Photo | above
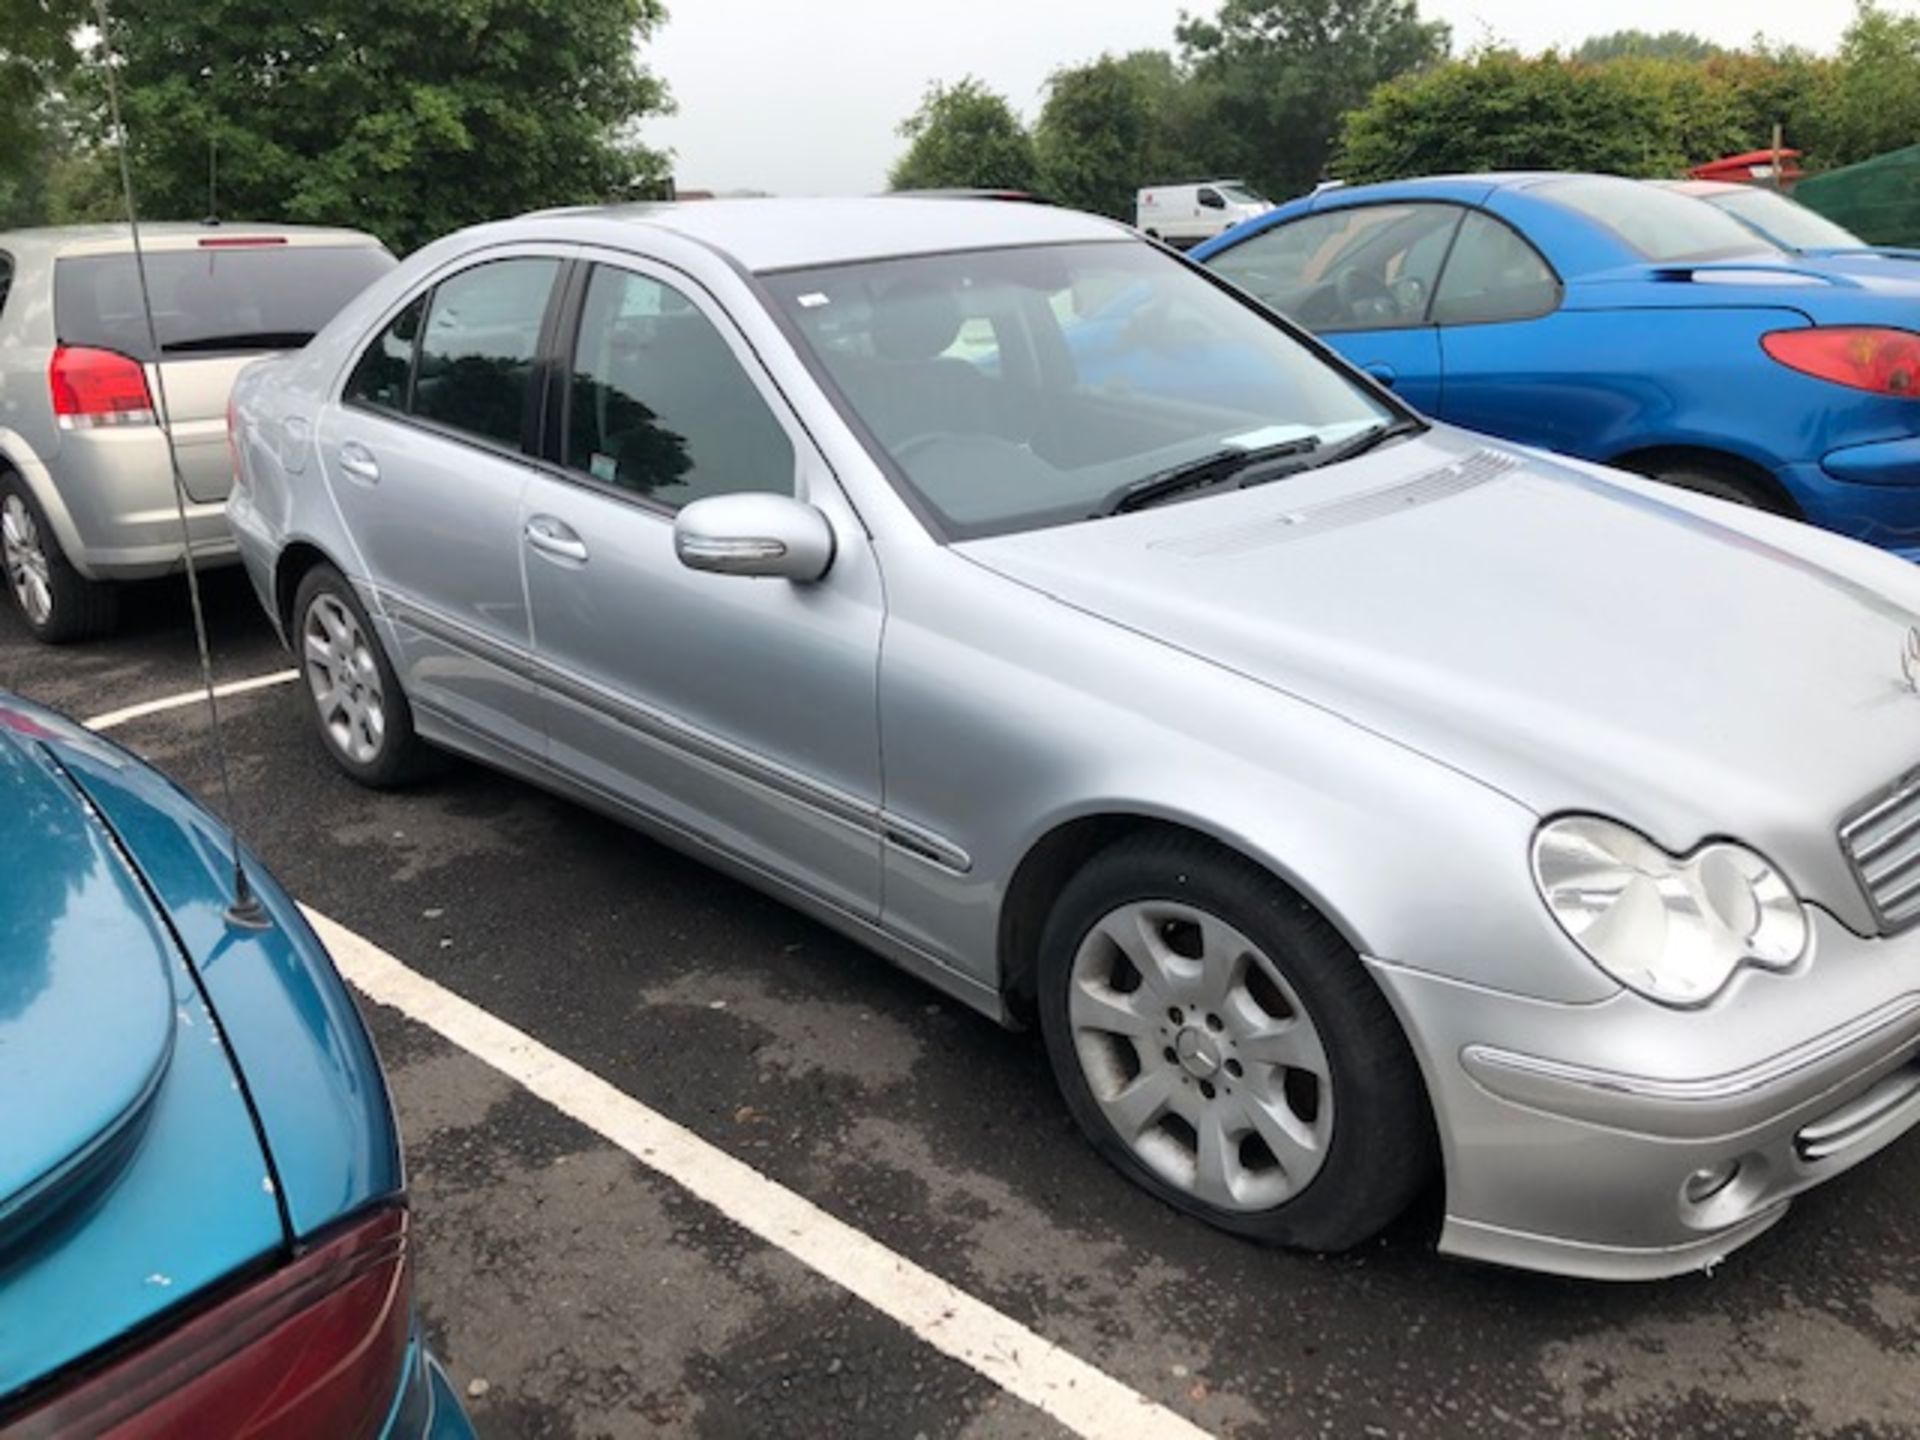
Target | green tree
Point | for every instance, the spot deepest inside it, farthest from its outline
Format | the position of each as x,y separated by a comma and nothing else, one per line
1667,45
964,135
1109,127
36,54
1498,110
1274,77
1870,101
405,117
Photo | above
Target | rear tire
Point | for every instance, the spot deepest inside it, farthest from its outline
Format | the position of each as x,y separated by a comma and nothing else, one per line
58,604
1221,1046
352,690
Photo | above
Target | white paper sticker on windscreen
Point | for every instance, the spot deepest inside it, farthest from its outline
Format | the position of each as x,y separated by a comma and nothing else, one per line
1267,435
812,300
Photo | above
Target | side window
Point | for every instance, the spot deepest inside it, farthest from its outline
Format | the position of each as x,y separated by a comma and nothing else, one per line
385,369
1493,275
1210,200
1367,267
658,405
6,280
478,348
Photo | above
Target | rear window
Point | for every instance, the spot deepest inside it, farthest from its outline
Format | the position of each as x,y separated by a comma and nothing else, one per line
1664,227
210,300
1786,221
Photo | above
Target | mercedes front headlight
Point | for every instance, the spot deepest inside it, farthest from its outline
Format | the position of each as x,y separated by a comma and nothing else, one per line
1675,928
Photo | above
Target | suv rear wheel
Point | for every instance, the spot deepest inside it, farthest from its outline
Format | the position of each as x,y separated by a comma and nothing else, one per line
58,603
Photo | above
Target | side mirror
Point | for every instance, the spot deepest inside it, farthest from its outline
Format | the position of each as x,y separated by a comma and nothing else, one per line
754,533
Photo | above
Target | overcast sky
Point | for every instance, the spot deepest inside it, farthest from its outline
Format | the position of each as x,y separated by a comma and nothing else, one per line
802,97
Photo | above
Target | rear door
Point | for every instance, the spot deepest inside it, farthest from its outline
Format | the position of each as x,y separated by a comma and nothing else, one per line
426,456
219,303
1361,277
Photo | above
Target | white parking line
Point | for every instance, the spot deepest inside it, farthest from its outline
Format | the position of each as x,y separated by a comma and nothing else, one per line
188,697
1085,1400
1064,1387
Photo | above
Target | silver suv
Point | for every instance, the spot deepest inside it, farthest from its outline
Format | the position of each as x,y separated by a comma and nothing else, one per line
86,496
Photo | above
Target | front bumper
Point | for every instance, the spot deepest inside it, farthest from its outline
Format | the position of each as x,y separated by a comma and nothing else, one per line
1623,1140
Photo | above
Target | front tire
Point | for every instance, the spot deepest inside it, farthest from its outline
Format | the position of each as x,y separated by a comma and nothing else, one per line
1220,1044
352,690
1719,484
57,602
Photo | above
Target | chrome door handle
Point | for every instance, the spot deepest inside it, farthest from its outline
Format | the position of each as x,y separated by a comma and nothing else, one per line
556,538
357,461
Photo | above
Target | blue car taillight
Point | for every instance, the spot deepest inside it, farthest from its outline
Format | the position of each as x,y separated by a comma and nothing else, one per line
1863,357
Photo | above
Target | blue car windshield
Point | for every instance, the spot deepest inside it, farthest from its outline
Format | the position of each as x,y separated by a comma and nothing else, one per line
1023,387
1662,226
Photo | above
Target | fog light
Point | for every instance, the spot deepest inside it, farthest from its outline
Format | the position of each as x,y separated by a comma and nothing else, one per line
1702,1185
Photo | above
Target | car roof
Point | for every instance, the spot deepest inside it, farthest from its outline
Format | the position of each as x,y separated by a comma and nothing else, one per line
763,235
159,235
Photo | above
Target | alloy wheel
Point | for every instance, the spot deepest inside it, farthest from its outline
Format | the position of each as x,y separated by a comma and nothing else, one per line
29,574
1200,1055
345,679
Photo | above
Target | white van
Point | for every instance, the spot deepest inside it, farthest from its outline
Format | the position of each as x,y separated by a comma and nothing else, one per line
1186,214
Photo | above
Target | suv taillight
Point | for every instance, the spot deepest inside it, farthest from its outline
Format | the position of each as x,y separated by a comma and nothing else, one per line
312,1351
1864,357
97,387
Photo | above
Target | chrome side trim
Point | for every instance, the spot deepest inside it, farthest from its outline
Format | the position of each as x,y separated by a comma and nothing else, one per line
699,745
744,764
1711,1105
443,729
902,835
457,633
923,844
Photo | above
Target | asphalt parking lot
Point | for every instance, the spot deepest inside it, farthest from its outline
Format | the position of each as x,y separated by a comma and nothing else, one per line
575,1291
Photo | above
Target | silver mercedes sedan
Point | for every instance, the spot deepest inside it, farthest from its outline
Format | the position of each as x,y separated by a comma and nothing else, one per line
1354,803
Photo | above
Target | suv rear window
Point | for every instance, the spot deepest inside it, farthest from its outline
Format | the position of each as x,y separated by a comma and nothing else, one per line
211,300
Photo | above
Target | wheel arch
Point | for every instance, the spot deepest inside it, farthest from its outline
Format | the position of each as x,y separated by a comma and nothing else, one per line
1060,851
1653,461
296,559
17,457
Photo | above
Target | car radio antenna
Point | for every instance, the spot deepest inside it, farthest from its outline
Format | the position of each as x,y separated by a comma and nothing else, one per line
245,910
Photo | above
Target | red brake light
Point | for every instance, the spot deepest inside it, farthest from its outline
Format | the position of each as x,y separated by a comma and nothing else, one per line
1864,357
235,242
97,387
312,1351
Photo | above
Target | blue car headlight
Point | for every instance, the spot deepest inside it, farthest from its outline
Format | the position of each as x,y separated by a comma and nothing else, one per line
1674,928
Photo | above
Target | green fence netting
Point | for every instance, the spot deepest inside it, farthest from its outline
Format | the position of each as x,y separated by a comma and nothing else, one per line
1878,199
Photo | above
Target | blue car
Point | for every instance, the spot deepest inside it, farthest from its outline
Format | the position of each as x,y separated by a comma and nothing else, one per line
203,1225
1619,322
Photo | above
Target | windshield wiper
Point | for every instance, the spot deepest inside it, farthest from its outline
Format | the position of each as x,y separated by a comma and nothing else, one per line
1366,440
1209,470
244,340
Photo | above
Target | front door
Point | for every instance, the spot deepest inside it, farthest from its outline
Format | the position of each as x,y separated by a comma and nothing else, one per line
744,711
424,455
